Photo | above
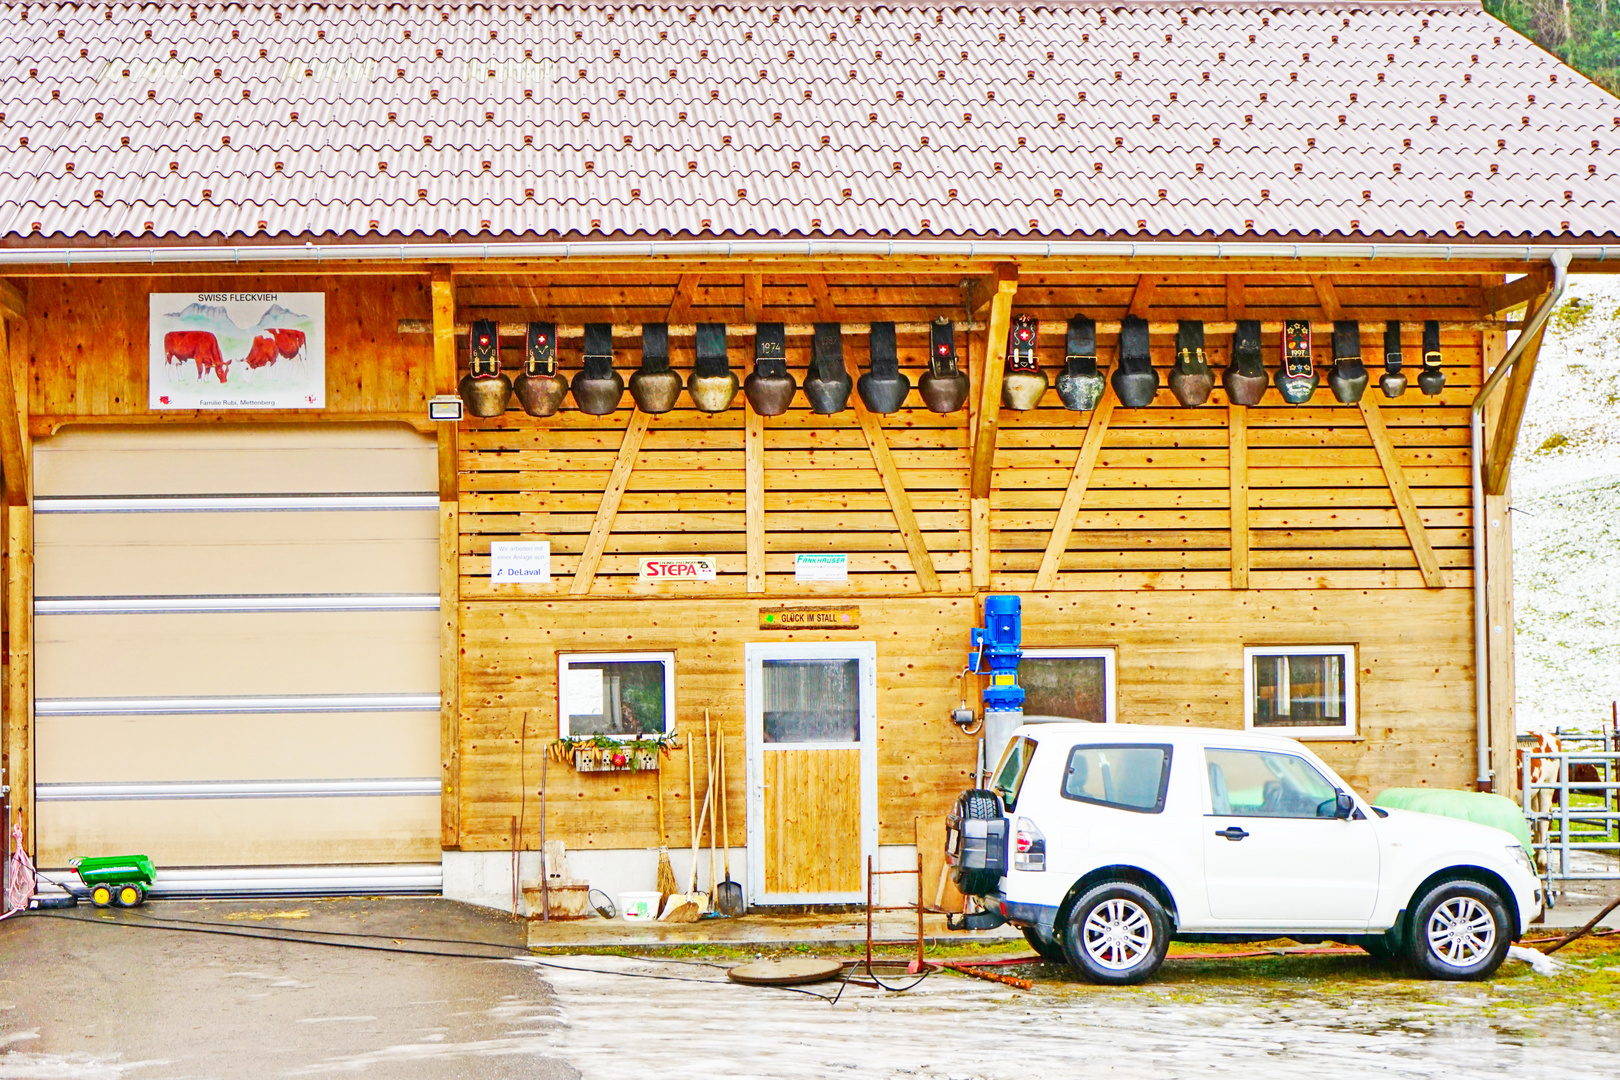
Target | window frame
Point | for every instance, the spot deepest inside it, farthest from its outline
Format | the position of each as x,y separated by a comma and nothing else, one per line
1107,653
1350,723
1164,776
566,660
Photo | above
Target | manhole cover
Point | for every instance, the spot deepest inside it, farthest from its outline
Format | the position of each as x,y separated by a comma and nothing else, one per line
793,972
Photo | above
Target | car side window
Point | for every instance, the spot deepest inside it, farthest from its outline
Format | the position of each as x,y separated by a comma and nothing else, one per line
1259,783
1122,777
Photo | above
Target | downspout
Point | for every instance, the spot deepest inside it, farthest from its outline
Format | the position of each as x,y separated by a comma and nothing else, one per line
1476,428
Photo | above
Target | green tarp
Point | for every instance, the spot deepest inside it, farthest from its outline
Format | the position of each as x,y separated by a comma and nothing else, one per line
1494,810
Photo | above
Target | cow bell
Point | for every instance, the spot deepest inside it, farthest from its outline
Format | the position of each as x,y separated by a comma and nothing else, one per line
713,385
598,389
1080,384
1024,383
484,389
1296,379
828,384
944,386
769,387
883,387
1348,379
1431,380
1190,378
541,387
653,385
1135,381
1245,377
1393,381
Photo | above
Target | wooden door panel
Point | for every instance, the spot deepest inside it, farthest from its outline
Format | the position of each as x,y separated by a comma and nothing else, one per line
812,821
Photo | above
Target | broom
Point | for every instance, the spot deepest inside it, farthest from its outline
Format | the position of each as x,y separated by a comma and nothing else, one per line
666,872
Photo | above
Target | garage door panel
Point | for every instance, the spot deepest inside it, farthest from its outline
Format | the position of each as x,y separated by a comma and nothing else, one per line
253,746
269,459
203,553
236,653
244,832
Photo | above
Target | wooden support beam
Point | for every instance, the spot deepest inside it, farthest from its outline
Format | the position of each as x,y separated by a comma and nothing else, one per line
1237,306
443,290
825,311
1497,581
19,681
1416,534
1237,441
1516,293
1327,296
899,502
13,305
13,433
680,304
753,297
608,509
1499,455
1142,296
754,498
1063,527
979,541
995,363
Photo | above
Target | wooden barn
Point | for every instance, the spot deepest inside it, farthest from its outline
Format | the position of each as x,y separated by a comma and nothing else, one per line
1203,330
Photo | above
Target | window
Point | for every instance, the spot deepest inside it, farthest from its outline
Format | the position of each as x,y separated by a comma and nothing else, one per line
1077,684
621,695
1122,777
1014,764
1301,690
812,701
1253,783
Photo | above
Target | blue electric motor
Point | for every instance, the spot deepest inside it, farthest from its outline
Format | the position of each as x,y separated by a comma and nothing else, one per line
997,648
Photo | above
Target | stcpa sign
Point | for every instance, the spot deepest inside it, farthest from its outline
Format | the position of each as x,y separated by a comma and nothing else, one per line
661,571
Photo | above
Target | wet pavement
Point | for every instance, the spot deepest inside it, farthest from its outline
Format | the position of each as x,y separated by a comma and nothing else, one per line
128,996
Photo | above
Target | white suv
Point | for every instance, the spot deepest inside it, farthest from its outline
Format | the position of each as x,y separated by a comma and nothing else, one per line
1104,842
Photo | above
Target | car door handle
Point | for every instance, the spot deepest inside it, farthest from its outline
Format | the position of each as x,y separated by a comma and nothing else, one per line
1231,832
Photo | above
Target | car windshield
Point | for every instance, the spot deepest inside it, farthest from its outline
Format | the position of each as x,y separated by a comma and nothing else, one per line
1010,774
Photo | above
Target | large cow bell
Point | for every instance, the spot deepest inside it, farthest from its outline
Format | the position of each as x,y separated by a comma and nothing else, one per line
769,386
1190,378
1024,383
713,385
1431,380
541,387
485,389
598,389
1245,377
884,387
1393,381
1080,384
1348,379
653,385
1135,381
1296,379
828,384
944,386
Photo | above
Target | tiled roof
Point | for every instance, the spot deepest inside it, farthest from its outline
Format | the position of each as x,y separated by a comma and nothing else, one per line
166,123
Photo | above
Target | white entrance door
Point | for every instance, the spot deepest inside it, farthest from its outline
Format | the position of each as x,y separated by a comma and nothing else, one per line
812,770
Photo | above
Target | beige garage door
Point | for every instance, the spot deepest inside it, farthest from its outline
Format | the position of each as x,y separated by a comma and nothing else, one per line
237,655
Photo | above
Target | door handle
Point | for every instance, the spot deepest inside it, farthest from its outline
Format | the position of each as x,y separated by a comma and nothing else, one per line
1231,832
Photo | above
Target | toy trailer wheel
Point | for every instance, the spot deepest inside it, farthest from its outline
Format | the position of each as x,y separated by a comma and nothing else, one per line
130,895
101,896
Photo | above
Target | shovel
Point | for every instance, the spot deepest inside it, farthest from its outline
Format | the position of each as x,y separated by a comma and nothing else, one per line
728,895
687,906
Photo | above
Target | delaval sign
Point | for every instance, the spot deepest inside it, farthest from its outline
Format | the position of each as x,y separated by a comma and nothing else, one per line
689,568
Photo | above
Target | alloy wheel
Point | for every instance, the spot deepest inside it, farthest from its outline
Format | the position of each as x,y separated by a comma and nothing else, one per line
1117,934
1461,931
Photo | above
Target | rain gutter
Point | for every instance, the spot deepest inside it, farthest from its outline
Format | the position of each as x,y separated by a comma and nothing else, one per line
1533,323
674,249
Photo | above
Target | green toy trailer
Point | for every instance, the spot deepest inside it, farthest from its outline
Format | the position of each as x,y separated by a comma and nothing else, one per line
117,879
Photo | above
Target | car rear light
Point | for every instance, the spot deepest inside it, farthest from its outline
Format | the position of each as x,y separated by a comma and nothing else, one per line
1029,847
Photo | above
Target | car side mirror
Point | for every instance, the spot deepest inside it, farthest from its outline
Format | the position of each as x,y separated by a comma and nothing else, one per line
1343,805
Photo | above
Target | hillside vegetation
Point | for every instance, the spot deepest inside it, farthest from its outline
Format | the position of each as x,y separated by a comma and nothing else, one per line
1585,34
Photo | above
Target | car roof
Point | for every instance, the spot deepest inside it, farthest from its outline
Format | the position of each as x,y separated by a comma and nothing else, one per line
1176,735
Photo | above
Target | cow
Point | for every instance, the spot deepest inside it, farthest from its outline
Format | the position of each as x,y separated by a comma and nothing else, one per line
289,343
198,345
262,352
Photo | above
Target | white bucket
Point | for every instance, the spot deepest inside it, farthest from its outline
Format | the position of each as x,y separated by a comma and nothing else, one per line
639,906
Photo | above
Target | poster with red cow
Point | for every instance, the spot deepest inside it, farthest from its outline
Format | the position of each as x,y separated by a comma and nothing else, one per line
237,351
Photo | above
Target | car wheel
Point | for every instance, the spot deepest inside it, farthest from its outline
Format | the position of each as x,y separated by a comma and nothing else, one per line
1460,931
979,804
1117,934
1050,948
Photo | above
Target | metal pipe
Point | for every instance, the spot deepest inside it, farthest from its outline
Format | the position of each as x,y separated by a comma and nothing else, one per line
1476,427
673,249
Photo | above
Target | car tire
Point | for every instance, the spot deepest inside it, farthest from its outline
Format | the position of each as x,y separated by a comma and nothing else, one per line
1460,931
1051,949
978,804
1117,934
